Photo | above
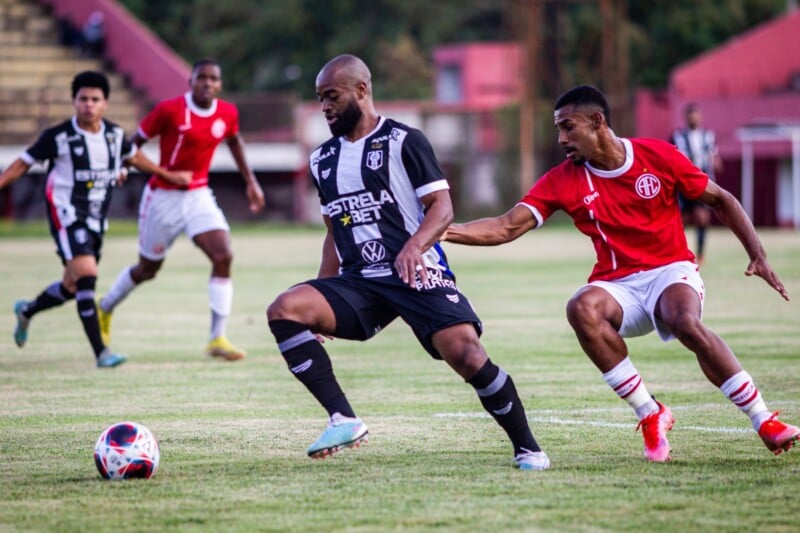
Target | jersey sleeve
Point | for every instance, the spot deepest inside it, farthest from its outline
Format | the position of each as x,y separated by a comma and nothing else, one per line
233,123
542,199
153,123
690,180
43,149
421,164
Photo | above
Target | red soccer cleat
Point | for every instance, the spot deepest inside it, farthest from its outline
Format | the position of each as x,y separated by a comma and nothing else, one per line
654,430
777,436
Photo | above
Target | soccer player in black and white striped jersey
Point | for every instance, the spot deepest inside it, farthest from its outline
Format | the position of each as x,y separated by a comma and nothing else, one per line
85,155
385,203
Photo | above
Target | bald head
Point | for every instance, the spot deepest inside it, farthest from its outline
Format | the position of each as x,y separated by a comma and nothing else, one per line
346,71
344,88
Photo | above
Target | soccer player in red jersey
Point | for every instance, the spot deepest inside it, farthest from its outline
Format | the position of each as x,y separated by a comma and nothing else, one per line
190,127
622,193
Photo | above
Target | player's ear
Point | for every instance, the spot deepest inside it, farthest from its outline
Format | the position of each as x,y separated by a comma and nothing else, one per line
597,120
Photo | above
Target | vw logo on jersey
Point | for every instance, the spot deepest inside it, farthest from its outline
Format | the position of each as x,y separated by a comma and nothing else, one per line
648,186
373,252
218,128
375,159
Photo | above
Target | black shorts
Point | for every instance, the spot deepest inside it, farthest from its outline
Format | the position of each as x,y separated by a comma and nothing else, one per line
364,306
76,240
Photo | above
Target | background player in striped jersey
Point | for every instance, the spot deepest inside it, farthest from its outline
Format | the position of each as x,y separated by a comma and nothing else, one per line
85,155
190,128
622,194
384,202
699,145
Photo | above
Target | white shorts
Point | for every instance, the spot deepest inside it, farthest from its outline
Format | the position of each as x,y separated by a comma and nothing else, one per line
638,294
165,214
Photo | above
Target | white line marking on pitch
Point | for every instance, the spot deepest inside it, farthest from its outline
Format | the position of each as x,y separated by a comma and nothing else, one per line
555,419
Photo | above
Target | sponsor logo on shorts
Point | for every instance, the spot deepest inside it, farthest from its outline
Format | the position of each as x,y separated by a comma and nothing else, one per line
436,279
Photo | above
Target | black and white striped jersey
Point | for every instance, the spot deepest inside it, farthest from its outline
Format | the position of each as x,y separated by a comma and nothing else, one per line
82,169
371,189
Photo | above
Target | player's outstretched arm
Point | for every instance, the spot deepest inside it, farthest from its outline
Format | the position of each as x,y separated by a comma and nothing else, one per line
732,214
254,193
493,230
13,172
141,162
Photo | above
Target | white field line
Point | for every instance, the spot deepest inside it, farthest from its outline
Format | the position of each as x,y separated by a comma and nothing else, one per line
561,417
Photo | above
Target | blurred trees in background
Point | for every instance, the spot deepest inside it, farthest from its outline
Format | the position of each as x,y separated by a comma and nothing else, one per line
281,45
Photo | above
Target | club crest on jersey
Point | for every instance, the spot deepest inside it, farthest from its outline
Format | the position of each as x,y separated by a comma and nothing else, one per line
375,159
648,186
78,150
218,128
373,252
325,173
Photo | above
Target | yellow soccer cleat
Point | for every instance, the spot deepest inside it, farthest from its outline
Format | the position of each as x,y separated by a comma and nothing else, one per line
221,347
104,319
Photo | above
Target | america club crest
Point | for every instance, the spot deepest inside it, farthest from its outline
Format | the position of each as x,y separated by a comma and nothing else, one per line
648,186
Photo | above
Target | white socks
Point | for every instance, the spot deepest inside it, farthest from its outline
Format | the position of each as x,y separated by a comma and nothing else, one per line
741,390
122,286
628,384
220,299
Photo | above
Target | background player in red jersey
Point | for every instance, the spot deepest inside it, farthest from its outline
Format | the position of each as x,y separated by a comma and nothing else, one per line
190,128
622,194
85,154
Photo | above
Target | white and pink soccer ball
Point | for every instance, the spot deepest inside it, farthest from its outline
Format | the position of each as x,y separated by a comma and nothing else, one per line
126,450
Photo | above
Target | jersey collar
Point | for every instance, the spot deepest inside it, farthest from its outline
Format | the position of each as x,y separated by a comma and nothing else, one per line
615,173
85,132
199,111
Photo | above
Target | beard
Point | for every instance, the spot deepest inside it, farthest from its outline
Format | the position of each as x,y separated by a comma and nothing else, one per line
346,120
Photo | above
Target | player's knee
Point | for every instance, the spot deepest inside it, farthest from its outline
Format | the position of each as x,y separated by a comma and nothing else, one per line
279,309
221,258
465,354
582,309
144,272
687,327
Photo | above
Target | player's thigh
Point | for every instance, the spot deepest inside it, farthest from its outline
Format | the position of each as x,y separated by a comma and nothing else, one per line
618,304
160,222
203,215
359,309
433,309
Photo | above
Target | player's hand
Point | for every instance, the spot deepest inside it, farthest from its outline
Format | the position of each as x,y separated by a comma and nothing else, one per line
122,177
256,197
409,265
179,177
760,267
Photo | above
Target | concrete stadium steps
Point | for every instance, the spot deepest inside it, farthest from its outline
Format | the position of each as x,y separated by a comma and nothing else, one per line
36,72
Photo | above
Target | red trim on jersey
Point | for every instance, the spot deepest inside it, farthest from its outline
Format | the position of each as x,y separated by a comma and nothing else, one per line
631,214
188,136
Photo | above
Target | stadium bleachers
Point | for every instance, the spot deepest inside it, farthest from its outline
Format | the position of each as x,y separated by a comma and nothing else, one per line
36,70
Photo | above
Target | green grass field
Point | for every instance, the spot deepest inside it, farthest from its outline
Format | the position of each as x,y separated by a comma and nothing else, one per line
233,435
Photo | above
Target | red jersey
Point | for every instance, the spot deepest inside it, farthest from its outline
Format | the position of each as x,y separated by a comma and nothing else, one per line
631,213
189,135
